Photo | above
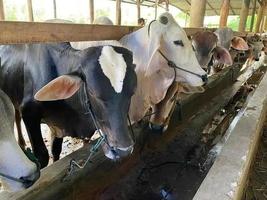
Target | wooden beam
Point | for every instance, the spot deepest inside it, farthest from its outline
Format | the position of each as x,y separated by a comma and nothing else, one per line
118,12
2,10
253,15
243,15
91,11
232,9
197,13
30,11
36,32
55,8
212,8
225,7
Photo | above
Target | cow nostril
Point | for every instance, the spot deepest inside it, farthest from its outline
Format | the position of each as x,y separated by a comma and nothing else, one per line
204,78
30,180
156,128
27,182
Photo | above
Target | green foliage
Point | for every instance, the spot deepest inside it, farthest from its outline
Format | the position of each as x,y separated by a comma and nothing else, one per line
10,13
233,23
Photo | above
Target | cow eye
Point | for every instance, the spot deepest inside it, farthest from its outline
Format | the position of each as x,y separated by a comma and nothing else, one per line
178,43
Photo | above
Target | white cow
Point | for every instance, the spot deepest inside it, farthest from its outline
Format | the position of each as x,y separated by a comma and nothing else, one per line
151,46
13,162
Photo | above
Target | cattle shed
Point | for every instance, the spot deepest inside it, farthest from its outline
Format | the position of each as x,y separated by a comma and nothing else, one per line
215,145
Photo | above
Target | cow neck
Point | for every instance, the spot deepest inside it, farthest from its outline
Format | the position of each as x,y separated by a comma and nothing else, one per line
65,58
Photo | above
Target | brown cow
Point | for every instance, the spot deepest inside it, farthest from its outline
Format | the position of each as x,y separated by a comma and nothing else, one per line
208,48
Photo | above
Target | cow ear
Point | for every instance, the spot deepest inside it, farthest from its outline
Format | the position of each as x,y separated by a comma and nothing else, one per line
239,43
154,45
222,55
60,88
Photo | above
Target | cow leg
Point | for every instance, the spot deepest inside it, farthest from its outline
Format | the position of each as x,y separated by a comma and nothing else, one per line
56,142
56,148
32,120
21,140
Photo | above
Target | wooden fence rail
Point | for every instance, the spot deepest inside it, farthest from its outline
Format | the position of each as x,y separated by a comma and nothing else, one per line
37,32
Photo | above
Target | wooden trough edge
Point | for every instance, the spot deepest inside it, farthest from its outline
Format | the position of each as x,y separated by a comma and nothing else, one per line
37,32
226,179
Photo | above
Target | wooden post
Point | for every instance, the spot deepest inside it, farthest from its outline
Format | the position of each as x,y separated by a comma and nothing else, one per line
91,11
30,11
156,8
138,9
259,17
197,13
243,15
253,15
263,21
265,25
224,13
2,11
167,5
55,8
118,12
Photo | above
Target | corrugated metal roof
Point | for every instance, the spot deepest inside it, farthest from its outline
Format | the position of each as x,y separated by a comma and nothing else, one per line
213,7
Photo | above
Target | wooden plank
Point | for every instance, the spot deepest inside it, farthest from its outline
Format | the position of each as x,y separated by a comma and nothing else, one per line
29,32
228,175
30,11
2,11
37,32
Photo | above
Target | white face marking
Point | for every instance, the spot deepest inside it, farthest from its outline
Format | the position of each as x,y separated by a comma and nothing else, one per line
113,66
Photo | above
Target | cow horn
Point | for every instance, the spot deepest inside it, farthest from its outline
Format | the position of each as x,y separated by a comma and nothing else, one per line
163,20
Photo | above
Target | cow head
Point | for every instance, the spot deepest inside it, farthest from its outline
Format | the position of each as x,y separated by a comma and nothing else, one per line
166,36
159,120
256,46
13,161
109,84
206,48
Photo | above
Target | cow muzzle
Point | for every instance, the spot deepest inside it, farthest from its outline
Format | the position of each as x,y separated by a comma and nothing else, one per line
158,128
116,153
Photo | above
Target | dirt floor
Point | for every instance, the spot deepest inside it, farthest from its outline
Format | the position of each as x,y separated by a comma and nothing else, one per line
69,144
257,182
